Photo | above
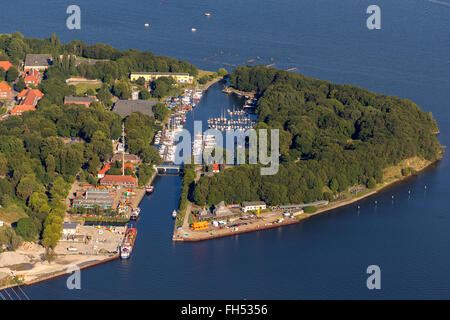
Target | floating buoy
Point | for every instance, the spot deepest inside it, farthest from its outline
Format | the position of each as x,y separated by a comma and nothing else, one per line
425,187
376,202
392,197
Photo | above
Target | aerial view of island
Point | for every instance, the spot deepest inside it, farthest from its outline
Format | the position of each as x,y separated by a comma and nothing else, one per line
192,151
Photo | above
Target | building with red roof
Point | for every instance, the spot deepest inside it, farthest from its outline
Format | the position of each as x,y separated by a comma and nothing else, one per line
28,99
5,65
103,170
32,77
116,180
107,166
19,109
5,91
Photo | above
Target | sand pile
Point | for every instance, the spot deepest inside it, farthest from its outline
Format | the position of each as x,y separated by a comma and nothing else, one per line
12,258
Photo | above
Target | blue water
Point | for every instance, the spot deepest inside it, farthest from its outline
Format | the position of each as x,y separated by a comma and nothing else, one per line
326,256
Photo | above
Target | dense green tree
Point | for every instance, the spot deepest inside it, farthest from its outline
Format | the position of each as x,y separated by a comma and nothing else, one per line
12,74
19,85
26,228
331,137
161,112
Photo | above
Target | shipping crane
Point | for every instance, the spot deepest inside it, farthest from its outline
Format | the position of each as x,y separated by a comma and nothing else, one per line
201,225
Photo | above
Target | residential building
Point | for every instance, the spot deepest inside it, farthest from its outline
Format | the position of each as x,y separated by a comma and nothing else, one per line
19,109
117,180
93,198
85,101
5,65
32,77
5,91
28,99
126,107
38,61
253,206
103,171
152,76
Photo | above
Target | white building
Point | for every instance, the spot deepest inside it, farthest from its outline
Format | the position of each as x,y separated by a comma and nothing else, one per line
69,228
253,206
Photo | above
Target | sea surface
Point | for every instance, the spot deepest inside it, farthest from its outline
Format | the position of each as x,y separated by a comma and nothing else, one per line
325,257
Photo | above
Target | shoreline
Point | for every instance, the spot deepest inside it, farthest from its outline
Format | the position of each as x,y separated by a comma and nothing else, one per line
63,271
304,216
91,261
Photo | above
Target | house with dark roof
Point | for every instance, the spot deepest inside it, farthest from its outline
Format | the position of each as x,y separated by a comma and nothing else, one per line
84,101
221,211
70,228
126,157
38,61
126,107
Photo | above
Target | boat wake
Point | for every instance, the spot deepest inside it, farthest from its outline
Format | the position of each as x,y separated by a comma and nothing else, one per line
443,3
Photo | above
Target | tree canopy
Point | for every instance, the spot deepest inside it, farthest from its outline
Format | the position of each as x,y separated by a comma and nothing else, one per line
331,137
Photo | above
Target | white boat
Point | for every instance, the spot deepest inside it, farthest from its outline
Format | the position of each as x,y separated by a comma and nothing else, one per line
146,25
193,29
125,252
174,214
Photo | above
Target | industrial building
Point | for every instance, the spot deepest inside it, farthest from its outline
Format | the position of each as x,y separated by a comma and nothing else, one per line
93,198
253,206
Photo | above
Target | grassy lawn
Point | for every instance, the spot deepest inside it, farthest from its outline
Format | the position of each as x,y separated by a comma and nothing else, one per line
202,73
12,213
81,88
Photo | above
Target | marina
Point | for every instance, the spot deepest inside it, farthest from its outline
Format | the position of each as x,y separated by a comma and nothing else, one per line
322,257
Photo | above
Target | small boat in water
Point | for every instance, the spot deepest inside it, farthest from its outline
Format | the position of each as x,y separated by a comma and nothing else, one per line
128,243
193,29
135,214
149,189
174,214
207,14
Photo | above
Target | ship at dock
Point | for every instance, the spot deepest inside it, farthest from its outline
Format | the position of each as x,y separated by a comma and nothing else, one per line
128,243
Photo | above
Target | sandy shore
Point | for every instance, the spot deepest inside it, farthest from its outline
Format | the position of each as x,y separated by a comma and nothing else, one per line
38,270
